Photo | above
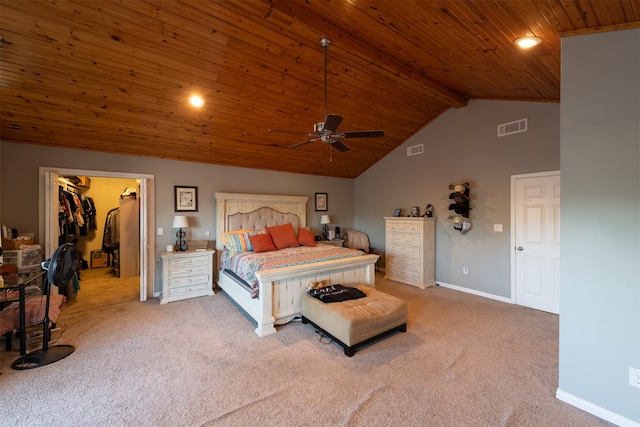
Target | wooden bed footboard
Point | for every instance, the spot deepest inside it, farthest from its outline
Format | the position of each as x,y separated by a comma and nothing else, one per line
281,288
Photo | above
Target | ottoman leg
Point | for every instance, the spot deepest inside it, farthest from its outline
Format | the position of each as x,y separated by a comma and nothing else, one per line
349,351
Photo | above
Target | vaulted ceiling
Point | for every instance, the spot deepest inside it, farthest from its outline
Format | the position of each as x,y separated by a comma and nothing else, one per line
115,76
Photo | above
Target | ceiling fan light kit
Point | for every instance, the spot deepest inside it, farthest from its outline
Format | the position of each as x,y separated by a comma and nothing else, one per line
327,131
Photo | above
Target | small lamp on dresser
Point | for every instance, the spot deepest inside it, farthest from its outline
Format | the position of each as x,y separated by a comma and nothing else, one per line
181,221
325,221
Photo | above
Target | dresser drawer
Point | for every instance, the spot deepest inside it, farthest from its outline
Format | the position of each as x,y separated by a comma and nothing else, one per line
403,239
403,275
412,252
404,262
405,227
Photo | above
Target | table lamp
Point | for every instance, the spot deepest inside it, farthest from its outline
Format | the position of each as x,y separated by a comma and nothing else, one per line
325,220
181,221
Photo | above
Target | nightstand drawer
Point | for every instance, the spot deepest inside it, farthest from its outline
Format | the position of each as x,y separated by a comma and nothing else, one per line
188,269
188,291
175,281
186,262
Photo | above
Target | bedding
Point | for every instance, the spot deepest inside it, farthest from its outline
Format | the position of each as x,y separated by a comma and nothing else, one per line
244,265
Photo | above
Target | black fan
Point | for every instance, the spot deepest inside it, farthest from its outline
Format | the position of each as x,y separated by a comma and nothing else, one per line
60,269
327,131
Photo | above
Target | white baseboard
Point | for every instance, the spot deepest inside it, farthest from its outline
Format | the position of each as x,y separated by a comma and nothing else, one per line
474,292
595,410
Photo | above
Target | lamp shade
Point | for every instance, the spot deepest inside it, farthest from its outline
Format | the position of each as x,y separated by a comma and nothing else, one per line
324,219
180,221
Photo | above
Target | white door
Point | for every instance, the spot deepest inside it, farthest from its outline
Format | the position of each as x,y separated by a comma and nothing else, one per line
52,208
536,249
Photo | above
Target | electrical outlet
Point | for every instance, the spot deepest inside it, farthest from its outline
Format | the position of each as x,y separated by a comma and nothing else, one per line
634,377
465,269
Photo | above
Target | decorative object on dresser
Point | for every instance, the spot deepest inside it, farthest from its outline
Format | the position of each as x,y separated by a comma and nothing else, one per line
397,212
415,211
186,274
460,206
410,244
181,221
185,198
325,220
428,210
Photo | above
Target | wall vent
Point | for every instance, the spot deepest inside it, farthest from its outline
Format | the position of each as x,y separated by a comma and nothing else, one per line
512,127
414,150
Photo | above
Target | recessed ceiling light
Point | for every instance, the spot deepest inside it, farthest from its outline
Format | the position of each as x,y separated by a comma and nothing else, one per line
527,42
196,101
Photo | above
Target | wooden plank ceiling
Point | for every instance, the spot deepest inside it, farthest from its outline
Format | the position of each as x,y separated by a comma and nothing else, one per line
115,76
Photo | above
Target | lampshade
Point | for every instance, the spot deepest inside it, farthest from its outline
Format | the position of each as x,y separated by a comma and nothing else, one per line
324,219
180,221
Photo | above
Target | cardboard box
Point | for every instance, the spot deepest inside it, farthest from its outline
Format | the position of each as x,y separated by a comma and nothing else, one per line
12,245
98,259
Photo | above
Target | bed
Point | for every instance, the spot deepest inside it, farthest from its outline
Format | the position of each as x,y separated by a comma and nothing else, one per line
279,289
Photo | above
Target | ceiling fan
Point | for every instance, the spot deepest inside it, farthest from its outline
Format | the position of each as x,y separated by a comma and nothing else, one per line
327,131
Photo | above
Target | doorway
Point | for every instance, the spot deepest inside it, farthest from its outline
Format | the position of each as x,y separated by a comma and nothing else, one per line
49,215
535,240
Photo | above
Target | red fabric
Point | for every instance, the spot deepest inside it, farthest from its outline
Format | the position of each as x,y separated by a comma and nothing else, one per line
35,306
262,243
283,236
306,238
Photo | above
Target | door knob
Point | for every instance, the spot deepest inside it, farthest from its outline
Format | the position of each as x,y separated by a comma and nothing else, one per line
520,248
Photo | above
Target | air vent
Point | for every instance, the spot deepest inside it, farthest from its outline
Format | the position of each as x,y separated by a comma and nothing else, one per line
512,127
414,150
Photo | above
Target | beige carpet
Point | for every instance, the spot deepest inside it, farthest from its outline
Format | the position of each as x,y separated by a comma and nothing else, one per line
464,361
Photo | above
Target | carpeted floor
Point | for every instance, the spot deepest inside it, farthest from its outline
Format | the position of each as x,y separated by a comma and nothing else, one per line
464,361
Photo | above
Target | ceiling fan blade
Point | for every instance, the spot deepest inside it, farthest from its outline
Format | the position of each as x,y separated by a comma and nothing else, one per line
290,131
363,134
332,122
339,145
300,144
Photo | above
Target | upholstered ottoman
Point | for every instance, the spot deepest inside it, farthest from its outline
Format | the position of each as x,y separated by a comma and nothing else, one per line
356,322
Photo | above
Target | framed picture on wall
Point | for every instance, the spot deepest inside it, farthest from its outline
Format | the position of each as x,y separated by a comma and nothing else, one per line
186,198
321,202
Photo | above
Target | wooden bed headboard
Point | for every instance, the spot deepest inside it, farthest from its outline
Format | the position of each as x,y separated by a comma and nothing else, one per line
235,211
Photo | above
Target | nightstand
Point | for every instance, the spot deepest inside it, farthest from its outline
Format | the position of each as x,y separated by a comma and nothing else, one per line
334,242
187,274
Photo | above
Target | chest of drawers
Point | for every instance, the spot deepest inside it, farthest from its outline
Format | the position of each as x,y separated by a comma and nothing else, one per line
187,274
410,250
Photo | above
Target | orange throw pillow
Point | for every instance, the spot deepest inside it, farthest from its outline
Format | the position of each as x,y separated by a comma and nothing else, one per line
283,236
262,243
306,238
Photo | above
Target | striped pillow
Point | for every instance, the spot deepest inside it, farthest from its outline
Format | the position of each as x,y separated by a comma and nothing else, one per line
238,241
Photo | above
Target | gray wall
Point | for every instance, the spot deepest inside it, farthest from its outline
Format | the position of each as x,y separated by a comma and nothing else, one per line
600,253
19,175
462,145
